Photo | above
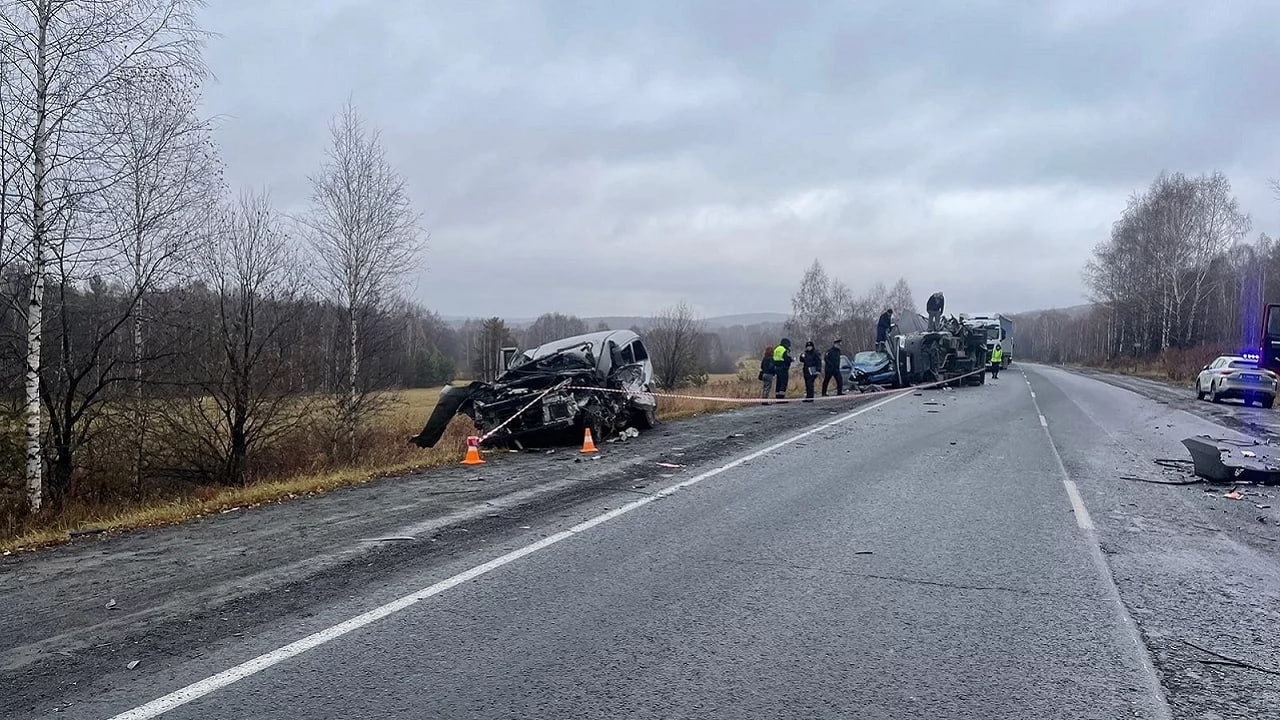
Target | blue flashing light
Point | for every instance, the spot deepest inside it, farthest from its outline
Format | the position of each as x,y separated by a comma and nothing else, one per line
1250,356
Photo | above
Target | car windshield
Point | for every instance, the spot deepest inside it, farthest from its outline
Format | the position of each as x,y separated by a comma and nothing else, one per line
870,357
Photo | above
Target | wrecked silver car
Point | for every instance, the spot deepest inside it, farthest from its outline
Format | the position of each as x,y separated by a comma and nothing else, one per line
551,393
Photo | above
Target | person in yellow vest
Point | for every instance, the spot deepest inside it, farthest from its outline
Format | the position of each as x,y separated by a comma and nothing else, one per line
781,368
997,359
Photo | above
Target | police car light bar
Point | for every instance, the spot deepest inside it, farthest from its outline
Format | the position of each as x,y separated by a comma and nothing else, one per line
1249,356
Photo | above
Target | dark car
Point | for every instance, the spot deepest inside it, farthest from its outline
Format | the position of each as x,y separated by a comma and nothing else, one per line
875,367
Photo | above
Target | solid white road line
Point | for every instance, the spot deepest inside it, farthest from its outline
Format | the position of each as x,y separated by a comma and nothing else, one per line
1160,704
203,687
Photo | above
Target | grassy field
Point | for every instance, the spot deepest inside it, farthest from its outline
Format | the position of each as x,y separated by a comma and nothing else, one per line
391,456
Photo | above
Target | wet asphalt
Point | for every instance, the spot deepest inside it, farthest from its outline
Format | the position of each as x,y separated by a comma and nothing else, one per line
920,560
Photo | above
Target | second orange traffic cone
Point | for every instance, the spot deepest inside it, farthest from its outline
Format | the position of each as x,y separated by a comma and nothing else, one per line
473,452
588,444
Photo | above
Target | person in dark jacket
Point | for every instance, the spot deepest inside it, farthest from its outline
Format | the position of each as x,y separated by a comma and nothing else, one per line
882,329
934,307
766,373
811,362
782,368
832,369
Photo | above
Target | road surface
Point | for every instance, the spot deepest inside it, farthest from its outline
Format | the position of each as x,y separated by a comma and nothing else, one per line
949,554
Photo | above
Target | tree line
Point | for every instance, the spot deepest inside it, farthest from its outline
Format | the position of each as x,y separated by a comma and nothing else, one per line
151,311
824,308
1177,277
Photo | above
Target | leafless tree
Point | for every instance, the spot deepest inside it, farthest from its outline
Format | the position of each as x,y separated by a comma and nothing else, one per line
169,178
364,236
68,58
674,340
248,389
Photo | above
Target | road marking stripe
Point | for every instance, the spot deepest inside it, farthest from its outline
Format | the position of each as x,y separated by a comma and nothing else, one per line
1077,503
1084,521
1033,392
1043,423
212,683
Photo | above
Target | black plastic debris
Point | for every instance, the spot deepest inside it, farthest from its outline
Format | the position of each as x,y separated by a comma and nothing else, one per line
1223,460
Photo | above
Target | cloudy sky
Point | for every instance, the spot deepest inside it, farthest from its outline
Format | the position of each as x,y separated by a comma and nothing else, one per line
612,158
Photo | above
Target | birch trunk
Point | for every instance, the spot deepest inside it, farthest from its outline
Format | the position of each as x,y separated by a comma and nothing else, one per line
35,306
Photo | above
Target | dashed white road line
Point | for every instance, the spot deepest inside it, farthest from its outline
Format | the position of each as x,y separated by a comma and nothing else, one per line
212,683
1160,704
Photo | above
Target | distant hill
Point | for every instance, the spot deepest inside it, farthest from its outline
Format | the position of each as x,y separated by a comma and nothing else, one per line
1074,312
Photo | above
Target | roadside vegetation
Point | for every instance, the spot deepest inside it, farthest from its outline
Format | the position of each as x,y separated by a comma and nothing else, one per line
1177,283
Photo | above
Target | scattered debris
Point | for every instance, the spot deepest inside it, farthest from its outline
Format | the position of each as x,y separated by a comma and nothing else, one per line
1224,460
1262,507
953,442
132,664
394,538
669,465
1135,478
526,527
1227,660
1234,495
737,435
111,604
88,531
865,552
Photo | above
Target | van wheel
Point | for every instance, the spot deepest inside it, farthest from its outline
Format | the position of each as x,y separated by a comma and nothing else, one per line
1268,402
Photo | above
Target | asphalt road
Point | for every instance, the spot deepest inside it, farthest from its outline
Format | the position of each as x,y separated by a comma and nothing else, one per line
950,554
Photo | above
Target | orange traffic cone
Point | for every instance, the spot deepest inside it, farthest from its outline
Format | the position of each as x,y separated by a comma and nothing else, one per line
473,452
588,444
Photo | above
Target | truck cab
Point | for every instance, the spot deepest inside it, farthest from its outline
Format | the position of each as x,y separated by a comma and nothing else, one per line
999,329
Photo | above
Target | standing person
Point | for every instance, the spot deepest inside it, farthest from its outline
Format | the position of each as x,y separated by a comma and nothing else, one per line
811,362
782,368
997,359
832,369
882,330
766,373
934,307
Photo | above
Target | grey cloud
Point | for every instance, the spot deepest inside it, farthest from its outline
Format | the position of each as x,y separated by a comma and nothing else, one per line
612,159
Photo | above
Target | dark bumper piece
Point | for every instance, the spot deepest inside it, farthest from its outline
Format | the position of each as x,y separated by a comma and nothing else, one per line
1222,460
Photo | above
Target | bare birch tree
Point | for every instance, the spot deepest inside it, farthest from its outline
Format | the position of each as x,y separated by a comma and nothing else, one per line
365,237
169,177
69,57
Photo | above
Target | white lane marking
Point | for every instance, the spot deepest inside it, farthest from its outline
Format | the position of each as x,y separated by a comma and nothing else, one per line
203,687
1033,392
1160,703
1077,503
1043,423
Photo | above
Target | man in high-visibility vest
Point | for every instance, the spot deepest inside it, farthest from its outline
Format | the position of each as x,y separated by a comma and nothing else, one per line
997,359
781,368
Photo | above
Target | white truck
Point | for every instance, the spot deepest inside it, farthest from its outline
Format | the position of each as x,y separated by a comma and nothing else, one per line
999,330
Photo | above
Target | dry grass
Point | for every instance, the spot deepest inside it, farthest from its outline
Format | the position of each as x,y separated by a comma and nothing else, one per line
387,454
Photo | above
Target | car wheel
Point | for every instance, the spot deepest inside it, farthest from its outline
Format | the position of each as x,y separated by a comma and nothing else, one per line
645,419
1199,392
1213,393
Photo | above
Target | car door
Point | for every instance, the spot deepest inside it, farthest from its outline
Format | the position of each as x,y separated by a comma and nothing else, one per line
1206,375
